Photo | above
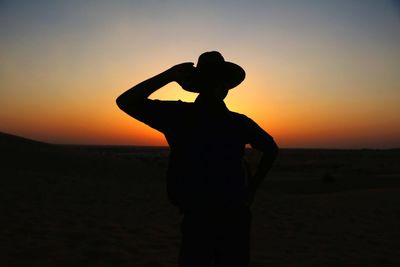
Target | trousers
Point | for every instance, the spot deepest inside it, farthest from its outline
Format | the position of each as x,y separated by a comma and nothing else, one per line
215,237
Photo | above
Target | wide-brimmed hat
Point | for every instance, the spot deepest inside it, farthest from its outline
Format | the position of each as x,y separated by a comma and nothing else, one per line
211,67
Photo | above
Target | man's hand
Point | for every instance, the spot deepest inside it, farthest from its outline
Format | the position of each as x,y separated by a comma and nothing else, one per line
183,74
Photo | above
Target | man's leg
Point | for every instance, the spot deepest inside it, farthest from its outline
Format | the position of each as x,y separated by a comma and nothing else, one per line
197,247
233,238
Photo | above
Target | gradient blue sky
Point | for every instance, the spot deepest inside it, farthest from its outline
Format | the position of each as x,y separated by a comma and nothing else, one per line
319,73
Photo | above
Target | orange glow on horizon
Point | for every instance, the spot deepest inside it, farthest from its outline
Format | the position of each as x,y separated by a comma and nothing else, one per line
292,123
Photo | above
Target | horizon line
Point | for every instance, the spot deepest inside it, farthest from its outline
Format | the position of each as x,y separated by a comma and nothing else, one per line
167,147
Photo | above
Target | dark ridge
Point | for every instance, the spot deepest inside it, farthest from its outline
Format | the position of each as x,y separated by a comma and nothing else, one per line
9,141
20,153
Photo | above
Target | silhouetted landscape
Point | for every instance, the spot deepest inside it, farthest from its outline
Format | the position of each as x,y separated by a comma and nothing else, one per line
65,205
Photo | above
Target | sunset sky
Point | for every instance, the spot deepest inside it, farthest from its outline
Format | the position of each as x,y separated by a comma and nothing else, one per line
319,73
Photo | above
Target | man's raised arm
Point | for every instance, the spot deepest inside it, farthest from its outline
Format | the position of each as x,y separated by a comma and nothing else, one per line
132,100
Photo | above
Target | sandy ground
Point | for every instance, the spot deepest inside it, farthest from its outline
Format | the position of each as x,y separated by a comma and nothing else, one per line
80,206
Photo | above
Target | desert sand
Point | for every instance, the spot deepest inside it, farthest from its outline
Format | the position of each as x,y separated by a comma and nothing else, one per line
107,206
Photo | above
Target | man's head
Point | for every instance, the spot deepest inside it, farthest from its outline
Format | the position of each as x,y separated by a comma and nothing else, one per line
213,76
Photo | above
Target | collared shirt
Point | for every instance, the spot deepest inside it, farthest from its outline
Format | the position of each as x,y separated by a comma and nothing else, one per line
206,151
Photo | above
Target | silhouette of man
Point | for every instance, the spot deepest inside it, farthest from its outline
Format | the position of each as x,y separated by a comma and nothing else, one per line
206,179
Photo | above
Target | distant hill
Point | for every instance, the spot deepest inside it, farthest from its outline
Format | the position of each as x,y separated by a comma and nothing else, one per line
9,141
20,153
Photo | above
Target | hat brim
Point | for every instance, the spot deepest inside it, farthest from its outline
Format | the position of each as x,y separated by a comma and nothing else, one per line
230,73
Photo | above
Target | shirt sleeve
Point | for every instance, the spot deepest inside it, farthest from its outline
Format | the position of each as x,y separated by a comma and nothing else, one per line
258,138
157,114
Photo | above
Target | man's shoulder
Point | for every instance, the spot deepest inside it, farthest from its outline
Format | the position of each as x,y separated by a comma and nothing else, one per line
243,121
239,116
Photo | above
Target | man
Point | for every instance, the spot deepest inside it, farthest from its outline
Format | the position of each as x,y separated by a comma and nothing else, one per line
205,178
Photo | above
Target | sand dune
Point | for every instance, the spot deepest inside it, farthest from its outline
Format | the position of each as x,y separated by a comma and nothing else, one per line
13,141
106,206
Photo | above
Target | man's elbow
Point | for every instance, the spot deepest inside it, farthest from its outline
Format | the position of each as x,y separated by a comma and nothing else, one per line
125,104
121,103
275,150
272,150
128,106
